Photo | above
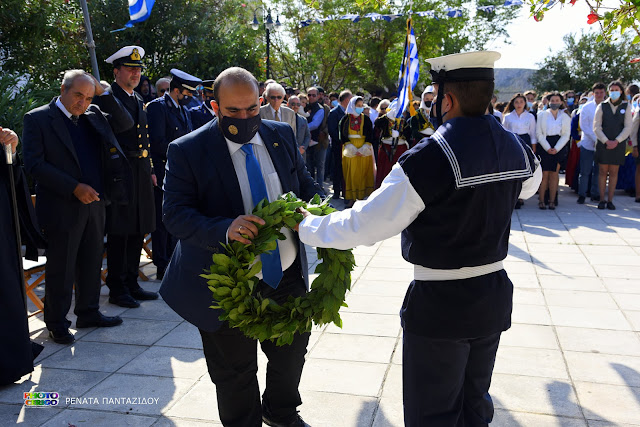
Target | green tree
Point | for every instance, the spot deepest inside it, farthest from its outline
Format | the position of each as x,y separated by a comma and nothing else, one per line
583,61
42,38
367,55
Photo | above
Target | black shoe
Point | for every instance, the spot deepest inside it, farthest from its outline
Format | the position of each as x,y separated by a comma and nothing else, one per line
581,200
101,321
295,421
124,300
611,206
141,294
602,205
595,198
61,336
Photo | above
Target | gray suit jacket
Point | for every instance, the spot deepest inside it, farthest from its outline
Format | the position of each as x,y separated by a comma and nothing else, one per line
286,114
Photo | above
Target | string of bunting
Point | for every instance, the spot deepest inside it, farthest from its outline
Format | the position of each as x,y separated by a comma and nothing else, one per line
449,13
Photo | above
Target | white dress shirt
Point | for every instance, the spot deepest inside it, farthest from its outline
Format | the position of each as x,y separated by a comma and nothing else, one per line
587,114
547,125
63,109
288,247
521,124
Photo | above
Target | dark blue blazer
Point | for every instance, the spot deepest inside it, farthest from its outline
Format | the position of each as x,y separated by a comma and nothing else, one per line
202,197
200,116
166,124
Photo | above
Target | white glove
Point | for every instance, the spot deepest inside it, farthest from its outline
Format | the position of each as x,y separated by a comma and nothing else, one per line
394,133
349,150
366,150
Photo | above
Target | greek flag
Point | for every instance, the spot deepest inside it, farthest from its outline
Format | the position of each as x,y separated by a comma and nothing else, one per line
139,10
409,71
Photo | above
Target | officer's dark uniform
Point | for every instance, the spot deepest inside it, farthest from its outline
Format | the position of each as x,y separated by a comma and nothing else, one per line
128,223
167,122
202,115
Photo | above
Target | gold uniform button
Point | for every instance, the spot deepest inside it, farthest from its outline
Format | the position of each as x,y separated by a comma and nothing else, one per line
139,135
147,126
138,126
145,153
140,145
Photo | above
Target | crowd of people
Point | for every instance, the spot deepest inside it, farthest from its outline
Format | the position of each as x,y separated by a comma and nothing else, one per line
590,136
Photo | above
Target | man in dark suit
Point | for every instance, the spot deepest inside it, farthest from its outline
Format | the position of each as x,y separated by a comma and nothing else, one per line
169,119
128,223
78,165
336,146
212,183
203,114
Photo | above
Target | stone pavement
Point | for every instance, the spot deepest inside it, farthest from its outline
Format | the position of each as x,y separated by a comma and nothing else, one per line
572,357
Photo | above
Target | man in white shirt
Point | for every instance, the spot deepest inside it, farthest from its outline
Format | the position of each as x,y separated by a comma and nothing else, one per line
274,110
588,146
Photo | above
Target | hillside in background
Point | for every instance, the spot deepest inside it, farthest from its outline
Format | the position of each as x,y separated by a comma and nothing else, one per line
510,81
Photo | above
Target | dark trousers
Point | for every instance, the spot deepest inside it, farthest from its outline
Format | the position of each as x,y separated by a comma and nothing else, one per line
75,256
233,363
446,381
123,261
162,242
336,171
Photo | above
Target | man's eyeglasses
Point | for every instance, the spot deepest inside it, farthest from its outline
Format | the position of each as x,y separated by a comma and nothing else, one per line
162,91
274,97
312,95
294,104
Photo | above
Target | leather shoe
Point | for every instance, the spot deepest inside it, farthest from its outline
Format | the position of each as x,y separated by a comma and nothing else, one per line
124,300
61,336
101,321
141,294
295,421
581,200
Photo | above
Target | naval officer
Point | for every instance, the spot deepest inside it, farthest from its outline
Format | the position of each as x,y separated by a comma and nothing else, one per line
451,196
127,223
169,119
204,113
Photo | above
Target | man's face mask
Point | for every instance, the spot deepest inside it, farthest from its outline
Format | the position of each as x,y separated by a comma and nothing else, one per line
239,131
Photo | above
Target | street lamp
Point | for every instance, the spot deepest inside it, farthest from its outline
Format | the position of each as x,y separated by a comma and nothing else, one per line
268,26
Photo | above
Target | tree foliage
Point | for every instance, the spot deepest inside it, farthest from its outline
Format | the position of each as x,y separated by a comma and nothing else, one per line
367,55
42,38
583,61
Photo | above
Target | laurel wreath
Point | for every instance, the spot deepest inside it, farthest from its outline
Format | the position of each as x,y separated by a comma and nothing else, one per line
231,279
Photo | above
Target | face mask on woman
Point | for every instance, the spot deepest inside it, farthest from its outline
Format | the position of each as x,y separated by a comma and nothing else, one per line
570,101
359,110
614,95
554,107
529,104
628,97
334,103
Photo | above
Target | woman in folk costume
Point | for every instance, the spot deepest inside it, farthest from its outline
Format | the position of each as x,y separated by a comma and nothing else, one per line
355,130
420,124
519,121
392,141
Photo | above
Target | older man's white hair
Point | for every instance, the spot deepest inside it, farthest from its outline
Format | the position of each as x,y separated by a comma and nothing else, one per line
70,77
274,89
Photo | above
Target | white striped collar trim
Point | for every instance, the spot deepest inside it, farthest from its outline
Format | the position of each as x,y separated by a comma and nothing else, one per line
462,182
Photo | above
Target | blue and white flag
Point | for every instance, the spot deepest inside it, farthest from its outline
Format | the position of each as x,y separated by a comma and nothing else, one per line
409,71
139,10
453,13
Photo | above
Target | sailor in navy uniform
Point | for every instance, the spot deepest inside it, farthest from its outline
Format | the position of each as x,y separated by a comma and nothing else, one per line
203,114
451,196
128,223
169,119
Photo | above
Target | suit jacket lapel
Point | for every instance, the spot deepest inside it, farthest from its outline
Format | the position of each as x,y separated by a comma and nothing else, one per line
102,130
276,149
60,129
219,154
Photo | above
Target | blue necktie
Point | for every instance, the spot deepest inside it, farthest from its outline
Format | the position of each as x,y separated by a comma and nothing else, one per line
271,266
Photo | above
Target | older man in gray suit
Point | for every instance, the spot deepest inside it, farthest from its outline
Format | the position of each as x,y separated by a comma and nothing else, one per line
274,110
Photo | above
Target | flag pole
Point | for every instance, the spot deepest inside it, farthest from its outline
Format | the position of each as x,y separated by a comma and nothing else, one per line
90,43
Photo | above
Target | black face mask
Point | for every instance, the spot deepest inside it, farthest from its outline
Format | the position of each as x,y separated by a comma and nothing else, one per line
428,104
185,100
240,131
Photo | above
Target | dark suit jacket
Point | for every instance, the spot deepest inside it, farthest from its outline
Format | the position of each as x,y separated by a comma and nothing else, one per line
332,123
166,124
49,156
202,197
200,116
